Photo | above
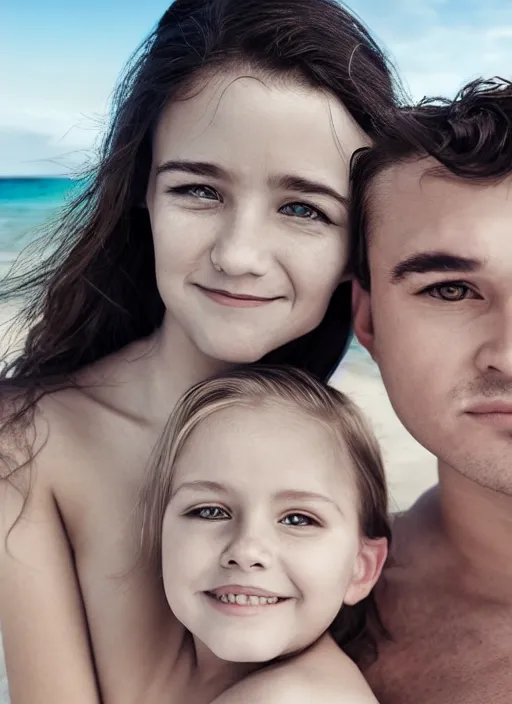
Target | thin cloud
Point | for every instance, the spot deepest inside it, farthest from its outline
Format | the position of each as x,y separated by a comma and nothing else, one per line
438,46
59,106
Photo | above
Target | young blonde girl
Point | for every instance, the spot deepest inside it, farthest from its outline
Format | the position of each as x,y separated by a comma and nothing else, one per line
265,512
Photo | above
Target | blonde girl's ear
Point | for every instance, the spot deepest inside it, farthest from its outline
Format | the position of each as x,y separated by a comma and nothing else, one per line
367,569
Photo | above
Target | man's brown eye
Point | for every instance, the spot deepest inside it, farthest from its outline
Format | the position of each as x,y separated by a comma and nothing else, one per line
450,292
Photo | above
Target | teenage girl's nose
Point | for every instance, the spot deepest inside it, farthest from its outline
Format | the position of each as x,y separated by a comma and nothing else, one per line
241,246
495,354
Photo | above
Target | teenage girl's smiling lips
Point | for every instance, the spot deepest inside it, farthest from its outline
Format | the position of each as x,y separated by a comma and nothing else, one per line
236,300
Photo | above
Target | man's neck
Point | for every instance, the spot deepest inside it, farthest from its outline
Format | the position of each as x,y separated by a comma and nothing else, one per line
477,526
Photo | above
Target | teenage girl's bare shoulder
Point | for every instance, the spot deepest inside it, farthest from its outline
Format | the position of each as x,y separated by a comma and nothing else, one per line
80,461
95,431
36,571
323,673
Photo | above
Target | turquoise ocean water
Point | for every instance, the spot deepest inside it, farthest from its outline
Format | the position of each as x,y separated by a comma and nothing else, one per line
27,203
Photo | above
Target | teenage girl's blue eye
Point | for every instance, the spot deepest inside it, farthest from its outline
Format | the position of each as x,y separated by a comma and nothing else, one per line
298,520
196,191
209,513
204,192
303,211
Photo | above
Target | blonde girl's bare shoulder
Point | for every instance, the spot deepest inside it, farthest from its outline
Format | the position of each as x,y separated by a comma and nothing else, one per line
321,674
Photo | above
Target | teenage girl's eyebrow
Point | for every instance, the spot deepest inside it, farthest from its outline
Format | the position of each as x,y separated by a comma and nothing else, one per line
288,182
198,168
428,262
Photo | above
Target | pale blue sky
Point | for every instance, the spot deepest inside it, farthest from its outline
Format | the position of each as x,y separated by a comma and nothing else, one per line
60,59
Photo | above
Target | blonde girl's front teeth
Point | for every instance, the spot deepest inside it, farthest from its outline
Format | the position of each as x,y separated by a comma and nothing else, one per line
247,599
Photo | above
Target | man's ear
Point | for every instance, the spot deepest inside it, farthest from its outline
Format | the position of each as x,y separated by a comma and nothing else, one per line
362,320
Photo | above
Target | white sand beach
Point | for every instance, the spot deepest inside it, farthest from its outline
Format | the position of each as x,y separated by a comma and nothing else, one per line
410,468
4,691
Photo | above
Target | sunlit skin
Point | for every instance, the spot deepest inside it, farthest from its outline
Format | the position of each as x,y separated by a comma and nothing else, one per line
256,228
439,324
264,502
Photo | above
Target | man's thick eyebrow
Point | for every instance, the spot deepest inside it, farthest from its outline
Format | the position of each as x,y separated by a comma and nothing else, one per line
427,262
198,168
304,185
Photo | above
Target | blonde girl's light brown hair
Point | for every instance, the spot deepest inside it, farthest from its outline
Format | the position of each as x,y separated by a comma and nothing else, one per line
356,627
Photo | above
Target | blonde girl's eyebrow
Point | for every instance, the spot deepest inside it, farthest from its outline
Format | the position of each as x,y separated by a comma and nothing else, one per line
295,495
201,485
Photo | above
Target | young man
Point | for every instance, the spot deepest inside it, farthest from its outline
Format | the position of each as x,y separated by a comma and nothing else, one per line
433,305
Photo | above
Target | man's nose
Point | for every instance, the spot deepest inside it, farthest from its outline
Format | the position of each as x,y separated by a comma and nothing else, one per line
495,353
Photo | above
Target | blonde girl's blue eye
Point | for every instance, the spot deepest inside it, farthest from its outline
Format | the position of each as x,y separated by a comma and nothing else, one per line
209,513
298,520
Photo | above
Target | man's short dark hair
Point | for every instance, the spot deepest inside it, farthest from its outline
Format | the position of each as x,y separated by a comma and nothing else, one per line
470,137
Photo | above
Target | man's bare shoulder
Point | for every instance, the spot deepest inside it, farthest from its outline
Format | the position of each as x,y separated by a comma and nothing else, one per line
415,560
418,520
446,643
323,673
